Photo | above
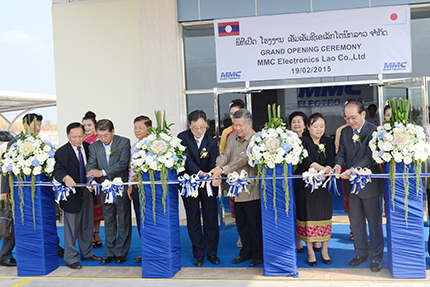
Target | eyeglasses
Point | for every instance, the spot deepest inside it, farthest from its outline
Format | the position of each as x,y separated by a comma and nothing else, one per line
351,118
197,128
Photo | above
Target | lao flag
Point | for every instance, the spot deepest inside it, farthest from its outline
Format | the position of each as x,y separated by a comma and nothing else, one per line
228,29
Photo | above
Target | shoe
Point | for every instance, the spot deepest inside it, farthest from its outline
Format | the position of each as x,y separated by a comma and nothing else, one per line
357,261
255,262
138,259
8,262
328,262
199,261
120,260
238,260
313,263
375,266
300,250
97,243
60,251
317,249
92,258
75,265
214,259
107,260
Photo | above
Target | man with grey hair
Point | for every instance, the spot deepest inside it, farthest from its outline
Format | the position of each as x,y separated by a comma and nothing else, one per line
247,206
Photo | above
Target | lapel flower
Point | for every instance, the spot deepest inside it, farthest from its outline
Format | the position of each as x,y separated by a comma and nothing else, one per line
110,153
204,153
321,148
357,138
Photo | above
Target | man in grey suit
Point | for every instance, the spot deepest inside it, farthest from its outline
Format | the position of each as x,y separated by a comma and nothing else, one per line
109,158
69,169
367,204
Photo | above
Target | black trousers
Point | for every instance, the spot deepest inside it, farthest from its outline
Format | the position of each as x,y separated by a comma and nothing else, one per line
206,243
136,206
249,226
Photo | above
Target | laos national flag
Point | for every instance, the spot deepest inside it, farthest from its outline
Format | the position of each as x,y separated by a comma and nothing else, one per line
228,28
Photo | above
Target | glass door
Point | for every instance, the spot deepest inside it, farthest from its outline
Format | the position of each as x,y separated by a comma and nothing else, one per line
415,89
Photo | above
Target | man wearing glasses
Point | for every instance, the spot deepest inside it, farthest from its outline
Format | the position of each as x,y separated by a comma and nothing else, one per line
109,158
202,151
354,151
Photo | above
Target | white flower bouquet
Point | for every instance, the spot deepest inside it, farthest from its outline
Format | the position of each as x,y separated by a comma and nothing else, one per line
400,140
275,145
157,153
27,157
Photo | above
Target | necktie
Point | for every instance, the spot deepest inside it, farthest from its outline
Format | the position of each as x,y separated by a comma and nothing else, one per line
197,142
82,176
354,133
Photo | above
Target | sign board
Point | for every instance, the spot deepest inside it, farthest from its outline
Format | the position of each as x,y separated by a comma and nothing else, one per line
319,44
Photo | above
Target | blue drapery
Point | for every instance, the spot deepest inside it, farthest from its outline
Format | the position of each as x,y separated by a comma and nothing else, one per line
405,237
161,246
279,234
36,245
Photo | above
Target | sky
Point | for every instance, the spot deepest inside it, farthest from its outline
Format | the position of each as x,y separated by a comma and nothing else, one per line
26,49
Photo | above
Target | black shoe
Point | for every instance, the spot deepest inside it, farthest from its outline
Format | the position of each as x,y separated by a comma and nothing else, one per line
107,260
300,250
199,261
138,259
375,266
357,261
313,263
92,258
328,262
317,249
120,260
8,262
60,251
214,259
75,265
255,262
238,260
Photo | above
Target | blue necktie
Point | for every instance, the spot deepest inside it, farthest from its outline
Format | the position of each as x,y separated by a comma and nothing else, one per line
82,176
354,133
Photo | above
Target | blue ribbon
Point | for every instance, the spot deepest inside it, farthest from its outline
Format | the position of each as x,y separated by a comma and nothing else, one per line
313,181
113,191
332,183
61,191
189,185
359,181
206,181
96,187
237,183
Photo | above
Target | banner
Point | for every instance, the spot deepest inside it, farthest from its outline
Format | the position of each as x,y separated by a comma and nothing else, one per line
319,44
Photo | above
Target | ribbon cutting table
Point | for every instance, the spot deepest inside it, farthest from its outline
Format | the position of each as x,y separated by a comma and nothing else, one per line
36,238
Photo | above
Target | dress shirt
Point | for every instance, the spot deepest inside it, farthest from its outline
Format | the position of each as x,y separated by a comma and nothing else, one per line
107,148
75,149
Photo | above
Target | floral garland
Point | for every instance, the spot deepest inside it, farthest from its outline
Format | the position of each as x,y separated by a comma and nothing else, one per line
400,140
28,156
275,145
158,152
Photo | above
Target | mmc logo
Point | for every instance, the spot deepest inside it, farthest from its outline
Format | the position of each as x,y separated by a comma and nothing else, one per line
230,75
394,66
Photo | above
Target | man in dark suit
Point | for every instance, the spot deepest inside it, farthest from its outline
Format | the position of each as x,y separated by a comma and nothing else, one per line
202,152
367,204
32,124
70,160
109,158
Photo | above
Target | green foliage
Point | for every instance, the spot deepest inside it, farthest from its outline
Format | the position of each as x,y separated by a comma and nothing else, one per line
400,111
275,120
162,126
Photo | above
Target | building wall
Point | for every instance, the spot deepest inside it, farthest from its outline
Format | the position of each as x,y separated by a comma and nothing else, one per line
110,58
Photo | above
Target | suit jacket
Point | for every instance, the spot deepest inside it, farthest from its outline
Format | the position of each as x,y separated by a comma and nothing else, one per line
118,161
67,163
360,156
194,163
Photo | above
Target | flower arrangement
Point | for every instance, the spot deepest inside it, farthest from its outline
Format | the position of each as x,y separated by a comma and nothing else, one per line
157,152
275,145
357,138
400,140
28,156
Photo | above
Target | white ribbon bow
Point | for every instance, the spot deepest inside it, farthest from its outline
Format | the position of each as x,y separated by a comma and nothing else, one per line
313,178
238,183
206,182
62,191
112,189
189,185
359,178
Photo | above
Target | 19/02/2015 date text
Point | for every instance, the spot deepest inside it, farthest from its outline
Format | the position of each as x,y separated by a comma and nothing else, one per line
311,70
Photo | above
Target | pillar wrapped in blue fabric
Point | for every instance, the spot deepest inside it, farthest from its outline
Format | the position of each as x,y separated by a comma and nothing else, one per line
161,246
279,230
36,244
405,236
